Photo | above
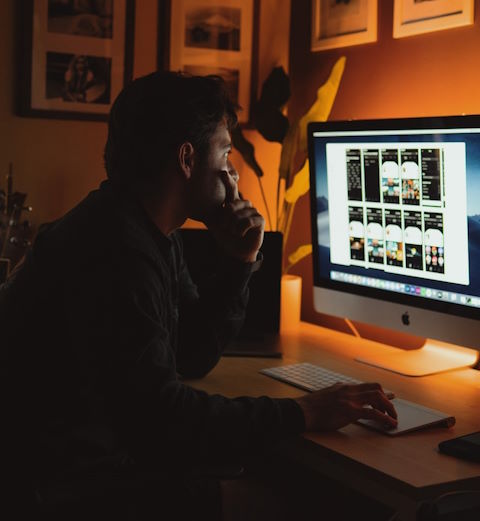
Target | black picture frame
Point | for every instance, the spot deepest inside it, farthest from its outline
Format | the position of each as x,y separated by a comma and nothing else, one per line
53,45
167,17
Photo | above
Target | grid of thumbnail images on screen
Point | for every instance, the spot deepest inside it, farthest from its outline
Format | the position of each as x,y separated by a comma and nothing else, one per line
399,197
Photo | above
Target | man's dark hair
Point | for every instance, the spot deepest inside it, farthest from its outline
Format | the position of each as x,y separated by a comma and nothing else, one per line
154,115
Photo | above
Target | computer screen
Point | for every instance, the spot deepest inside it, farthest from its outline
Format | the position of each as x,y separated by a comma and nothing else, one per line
396,223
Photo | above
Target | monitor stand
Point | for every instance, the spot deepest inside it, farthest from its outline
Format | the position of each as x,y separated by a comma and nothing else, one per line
434,357
431,358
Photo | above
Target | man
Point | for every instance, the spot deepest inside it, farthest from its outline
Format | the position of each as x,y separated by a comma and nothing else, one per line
102,323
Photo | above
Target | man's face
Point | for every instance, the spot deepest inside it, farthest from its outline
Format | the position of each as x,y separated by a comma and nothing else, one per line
207,187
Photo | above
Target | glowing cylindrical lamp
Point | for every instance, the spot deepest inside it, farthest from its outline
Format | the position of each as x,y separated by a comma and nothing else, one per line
290,304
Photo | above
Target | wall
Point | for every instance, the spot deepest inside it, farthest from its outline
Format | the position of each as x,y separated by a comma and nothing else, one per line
431,74
58,162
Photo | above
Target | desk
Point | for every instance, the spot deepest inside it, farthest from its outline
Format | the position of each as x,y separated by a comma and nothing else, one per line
401,471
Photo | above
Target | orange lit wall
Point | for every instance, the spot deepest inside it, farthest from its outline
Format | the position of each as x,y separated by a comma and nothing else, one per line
431,74
57,162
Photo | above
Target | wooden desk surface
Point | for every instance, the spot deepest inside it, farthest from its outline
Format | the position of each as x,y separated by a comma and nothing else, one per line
409,464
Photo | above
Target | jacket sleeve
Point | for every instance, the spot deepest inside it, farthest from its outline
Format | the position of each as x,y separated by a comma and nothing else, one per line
211,313
162,418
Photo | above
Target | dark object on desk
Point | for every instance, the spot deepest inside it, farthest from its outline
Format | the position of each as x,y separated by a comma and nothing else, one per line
259,335
465,447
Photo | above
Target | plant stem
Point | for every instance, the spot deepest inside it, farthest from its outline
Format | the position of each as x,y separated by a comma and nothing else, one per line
265,203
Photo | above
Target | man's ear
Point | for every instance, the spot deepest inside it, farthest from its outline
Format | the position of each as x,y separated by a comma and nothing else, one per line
186,159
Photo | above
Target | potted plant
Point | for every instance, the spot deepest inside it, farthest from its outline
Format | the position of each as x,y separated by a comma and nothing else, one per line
293,176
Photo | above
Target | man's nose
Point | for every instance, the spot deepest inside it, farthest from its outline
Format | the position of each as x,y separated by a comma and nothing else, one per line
233,171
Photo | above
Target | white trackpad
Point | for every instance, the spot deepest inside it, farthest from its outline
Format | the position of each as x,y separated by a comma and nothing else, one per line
411,417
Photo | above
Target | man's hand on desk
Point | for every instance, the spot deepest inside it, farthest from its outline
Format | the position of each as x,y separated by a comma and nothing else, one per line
339,405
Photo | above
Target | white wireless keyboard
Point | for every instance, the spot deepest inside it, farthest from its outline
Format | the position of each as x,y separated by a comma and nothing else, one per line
309,377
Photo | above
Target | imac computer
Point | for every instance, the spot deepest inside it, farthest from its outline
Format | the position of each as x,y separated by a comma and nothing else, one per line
395,207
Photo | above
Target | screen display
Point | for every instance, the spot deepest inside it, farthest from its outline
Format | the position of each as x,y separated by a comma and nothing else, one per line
396,210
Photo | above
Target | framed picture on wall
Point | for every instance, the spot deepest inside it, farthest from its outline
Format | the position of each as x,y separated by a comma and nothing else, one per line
214,37
423,16
75,58
341,23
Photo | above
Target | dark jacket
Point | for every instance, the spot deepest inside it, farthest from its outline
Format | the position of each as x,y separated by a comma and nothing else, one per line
100,325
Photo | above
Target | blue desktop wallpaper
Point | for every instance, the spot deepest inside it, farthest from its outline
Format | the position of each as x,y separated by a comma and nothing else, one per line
472,142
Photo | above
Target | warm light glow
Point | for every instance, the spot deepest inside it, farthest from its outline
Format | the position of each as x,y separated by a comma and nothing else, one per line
434,357
291,301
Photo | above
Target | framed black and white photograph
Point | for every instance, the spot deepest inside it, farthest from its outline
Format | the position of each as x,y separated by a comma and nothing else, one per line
412,17
76,57
341,23
81,18
216,37
214,27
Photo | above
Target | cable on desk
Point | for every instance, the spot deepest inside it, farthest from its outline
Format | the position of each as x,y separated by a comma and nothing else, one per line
353,329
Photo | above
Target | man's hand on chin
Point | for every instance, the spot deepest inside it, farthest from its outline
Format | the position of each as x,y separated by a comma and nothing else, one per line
237,226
